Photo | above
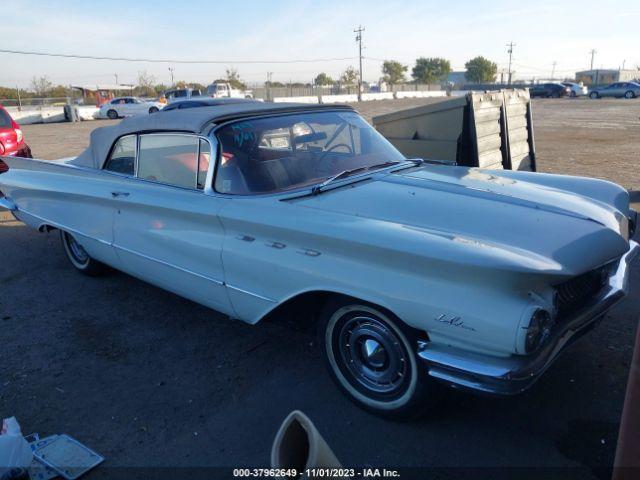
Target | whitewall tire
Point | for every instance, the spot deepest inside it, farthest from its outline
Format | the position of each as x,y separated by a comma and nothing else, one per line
78,257
371,355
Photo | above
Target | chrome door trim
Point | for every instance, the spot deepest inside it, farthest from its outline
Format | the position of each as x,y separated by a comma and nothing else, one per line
170,265
242,290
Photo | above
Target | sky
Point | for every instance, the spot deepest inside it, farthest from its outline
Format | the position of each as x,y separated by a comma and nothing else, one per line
251,30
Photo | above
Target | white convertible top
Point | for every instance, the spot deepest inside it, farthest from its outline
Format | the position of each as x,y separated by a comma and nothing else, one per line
192,120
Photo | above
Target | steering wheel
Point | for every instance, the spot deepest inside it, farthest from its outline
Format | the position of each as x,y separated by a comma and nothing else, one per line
338,145
323,169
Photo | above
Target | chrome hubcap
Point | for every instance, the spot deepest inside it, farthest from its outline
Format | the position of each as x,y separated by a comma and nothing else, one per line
372,355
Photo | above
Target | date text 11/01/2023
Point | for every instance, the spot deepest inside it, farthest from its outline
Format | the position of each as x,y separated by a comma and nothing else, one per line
316,473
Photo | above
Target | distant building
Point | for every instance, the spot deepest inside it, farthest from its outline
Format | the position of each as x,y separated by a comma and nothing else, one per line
603,76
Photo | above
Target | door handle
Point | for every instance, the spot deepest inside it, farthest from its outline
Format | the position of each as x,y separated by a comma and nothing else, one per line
119,194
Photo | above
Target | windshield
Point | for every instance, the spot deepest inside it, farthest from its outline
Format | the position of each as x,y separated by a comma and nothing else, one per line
291,151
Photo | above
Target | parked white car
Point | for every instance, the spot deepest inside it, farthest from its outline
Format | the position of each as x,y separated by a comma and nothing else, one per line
413,273
178,94
222,90
577,89
128,107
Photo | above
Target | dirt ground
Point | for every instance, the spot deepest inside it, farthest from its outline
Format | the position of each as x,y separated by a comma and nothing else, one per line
153,381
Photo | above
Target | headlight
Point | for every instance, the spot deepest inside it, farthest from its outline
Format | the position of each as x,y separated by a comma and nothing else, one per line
538,331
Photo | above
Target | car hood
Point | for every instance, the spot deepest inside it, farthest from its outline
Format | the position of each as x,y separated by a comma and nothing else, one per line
516,220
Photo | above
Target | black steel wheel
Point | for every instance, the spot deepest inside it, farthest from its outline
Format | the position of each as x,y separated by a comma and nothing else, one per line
371,356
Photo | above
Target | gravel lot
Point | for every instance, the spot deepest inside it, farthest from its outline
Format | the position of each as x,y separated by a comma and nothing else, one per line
152,380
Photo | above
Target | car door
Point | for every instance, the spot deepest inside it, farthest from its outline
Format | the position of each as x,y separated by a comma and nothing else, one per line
166,229
140,107
612,90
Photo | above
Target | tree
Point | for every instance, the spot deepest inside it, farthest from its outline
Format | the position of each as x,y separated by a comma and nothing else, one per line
323,79
274,84
41,86
233,77
393,72
480,70
349,76
430,70
146,83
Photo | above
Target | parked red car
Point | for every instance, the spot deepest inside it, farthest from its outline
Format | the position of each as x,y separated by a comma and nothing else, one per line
11,137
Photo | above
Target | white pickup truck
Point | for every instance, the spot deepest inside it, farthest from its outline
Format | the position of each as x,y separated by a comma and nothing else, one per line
221,89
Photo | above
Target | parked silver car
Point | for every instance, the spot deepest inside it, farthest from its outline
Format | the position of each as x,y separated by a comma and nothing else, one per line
618,89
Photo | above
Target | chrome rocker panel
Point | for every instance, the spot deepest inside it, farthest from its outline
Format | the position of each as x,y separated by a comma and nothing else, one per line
515,374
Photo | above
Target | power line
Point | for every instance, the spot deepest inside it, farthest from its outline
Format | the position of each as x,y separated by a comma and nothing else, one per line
157,60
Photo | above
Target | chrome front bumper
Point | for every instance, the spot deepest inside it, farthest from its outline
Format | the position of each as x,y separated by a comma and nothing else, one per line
514,374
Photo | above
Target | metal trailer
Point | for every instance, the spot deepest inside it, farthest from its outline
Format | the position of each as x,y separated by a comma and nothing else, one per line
491,130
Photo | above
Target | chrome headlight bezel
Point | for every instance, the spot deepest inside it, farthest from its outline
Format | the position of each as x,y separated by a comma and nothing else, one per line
538,330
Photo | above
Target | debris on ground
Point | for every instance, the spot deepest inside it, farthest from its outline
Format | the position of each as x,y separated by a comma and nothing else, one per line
35,458
15,454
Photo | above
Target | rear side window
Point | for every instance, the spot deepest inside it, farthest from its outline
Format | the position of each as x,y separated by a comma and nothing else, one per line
123,156
5,119
169,159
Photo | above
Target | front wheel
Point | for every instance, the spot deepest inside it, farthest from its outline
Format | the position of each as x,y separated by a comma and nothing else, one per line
372,357
112,114
629,94
78,256
594,95
153,110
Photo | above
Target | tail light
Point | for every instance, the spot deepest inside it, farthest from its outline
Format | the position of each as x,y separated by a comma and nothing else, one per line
1,149
4,168
18,131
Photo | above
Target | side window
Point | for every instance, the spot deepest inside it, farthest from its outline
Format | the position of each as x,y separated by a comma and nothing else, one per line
170,159
123,156
203,163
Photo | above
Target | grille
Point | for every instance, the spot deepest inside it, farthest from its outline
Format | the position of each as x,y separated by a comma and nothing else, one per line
573,293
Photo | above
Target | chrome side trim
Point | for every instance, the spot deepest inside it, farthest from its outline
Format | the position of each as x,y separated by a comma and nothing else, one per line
515,373
8,204
261,297
170,265
147,257
66,228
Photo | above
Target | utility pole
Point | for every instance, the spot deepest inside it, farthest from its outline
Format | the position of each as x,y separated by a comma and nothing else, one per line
510,45
593,52
358,33
553,69
623,64
116,75
269,74
171,69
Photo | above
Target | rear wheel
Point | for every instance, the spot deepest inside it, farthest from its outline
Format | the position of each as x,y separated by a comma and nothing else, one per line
112,114
629,94
594,95
78,256
371,355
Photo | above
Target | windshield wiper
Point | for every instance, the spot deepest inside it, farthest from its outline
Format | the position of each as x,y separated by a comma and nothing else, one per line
343,174
346,173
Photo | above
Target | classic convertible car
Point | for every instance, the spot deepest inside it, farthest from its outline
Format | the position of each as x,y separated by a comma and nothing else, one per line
415,273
